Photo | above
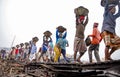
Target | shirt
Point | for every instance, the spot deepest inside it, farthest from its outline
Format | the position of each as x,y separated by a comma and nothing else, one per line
33,49
62,42
16,51
96,38
109,22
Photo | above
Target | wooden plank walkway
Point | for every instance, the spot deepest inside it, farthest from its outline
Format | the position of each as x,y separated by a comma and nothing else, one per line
72,69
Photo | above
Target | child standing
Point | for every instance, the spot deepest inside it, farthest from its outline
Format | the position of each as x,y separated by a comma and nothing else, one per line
33,49
12,53
17,55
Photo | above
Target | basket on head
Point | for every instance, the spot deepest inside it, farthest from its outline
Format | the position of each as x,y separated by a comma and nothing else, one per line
17,46
21,44
47,33
81,11
13,47
35,39
115,2
61,29
26,43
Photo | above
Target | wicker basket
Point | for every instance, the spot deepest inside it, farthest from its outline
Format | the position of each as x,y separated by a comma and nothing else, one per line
26,43
81,11
88,41
47,33
61,29
109,2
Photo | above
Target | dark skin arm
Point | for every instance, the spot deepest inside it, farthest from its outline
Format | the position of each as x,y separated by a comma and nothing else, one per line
86,22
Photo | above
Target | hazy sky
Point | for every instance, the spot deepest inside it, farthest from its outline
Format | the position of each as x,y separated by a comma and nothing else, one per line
28,18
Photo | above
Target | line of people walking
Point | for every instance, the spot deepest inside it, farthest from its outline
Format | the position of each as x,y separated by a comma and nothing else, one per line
51,53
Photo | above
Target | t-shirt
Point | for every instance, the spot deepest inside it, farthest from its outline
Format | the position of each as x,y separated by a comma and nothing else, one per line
16,51
33,49
62,42
96,36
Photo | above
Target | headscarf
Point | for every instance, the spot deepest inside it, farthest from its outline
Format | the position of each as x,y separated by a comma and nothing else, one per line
82,17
